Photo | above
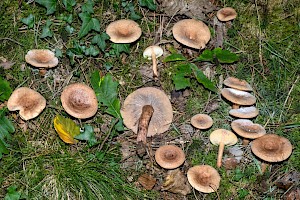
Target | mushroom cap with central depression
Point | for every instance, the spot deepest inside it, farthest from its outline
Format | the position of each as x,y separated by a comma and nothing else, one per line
43,58
169,156
162,115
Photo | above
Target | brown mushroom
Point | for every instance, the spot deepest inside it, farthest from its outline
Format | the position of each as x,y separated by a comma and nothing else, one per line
238,84
151,53
201,121
169,156
226,14
192,33
244,112
247,129
204,178
29,102
158,111
238,97
79,100
124,31
42,58
222,137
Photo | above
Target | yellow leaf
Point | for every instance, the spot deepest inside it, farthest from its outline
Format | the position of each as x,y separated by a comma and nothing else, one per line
66,129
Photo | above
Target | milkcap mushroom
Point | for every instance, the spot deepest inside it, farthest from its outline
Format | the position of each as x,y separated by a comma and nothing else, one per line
145,99
151,53
244,112
222,137
43,58
226,14
79,100
29,102
192,33
123,31
238,97
238,84
169,156
204,178
201,121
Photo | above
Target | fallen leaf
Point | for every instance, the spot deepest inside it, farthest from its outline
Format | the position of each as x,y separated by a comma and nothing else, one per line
176,182
147,181
7,64
230,163
293,194
286,181
66,129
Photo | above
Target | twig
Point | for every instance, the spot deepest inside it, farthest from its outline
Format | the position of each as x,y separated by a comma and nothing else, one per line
108,134
12,41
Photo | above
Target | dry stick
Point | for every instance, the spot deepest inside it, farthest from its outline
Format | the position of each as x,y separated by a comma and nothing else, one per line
12,41
108,134
220,154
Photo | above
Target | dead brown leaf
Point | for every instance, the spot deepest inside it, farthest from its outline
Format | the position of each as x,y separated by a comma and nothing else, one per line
176,182
7,64
293,194
147,181
288,180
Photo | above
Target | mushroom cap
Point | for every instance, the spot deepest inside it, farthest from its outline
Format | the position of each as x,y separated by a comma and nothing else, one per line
238,84
272,148
204,178
222,135
169,156
29,102
123,31
162,115
244,112
192,33
202,121
238,97
41,58
79,100
247,129
226,14
157,50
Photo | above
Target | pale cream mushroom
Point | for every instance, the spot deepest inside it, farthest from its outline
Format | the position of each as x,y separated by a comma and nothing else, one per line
226,14
169,156
152,53
238,84
244,112
238,97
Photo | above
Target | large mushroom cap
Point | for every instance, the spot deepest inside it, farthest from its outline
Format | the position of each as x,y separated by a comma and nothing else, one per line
226,14
204,178
41,58
238,97
169,156
79,100
237,84
29,102
247,129
192,33
162,115
224,136
201,121
244,112
123,31
272,148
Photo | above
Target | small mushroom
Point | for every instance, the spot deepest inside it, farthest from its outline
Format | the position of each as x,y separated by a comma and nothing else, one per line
192,33
204,178
222,137
29,102
123,31
238,97
79,100
202,121
43,58
169,156
226,14
238,84
245,112
247,129
151,53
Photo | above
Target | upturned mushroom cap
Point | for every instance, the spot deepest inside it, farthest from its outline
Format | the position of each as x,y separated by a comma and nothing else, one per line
162,115
169,156
79,100
123,31
43,58
247,129
204,178
237,84
29,102
238,97
272,148
222,135
192,33
226,14
244,112
202,121
157,50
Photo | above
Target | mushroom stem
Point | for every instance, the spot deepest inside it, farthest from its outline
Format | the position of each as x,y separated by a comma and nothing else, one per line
264,167
154,64
147,112
220,154
235,106
246,141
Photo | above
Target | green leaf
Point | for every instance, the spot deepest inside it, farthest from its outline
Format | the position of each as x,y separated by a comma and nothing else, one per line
88,24
92,51
207,55
12,193
175,57
29,21
225,56
5,90
88,7
69,4
148,3
119,48
6,127
46,32
69,29
50,5
180,79
100,39
201,78
87,135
